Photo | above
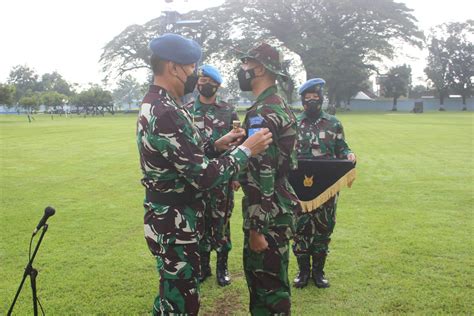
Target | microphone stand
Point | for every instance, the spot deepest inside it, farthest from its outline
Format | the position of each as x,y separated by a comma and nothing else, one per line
33,273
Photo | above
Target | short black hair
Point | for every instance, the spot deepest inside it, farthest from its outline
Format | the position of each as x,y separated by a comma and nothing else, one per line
157,64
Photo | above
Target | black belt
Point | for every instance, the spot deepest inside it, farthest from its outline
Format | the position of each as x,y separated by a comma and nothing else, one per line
172,198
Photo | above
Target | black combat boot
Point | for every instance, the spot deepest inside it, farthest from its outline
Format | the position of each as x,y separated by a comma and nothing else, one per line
302,278
205,266
222,273
318,271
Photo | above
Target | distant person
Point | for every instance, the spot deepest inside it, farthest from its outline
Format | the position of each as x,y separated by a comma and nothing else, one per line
214,118
175,170
320,136
269,202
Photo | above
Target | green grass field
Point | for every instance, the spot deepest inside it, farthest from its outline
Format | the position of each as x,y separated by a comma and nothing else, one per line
403,242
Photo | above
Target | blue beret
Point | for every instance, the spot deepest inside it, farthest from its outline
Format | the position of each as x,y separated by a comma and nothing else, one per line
317,83
211,72
175,48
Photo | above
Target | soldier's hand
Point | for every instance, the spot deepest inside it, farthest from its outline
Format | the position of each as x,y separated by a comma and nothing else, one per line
257,242
235,185
351,157
259,141
231,139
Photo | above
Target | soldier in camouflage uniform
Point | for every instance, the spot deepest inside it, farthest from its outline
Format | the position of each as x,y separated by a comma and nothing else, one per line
320,136
175,169
269,204
214,117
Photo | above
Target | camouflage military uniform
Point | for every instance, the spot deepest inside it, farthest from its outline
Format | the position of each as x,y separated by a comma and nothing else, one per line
214,121
269,205
173,161
318,138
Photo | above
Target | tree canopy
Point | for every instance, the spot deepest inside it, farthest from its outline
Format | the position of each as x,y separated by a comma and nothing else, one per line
7,94
336,40
128,91
397,83
25,80
94,100
451,58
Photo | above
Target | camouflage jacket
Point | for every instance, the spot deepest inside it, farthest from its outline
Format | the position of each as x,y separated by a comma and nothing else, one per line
172,152
269,198
321,138
172,158
212,120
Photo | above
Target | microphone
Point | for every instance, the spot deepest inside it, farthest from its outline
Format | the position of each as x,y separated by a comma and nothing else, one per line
48,211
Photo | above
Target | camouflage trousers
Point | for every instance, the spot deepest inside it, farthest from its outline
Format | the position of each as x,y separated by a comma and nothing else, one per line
172,234
217,220
267,275
314,229
179,269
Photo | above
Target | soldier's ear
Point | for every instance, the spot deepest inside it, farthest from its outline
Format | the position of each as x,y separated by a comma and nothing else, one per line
172,68
260,70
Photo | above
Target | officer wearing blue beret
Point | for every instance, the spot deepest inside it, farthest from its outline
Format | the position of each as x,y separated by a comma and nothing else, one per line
183,54
214,118
176,171
320,136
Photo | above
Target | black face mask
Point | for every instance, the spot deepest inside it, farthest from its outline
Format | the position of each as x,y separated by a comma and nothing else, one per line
190,83
207,90
313,107
245,79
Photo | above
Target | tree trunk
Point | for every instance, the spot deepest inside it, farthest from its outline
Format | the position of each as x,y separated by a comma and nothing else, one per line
441,102
28,114
394,107
464,108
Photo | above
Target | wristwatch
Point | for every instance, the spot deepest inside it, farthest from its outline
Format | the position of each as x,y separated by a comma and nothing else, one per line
246,150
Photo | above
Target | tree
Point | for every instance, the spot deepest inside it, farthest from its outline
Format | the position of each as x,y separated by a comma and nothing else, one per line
128,51
128,91
397,83
335,39
437,69
25,81
7,94
30,103
94,101
460,48
324,33
55,82
418,91
53,99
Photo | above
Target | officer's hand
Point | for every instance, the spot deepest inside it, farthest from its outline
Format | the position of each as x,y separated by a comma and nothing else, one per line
257,241
235,185
259,141
229,140
351,157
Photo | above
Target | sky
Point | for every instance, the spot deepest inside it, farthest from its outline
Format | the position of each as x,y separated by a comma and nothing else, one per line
68,36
